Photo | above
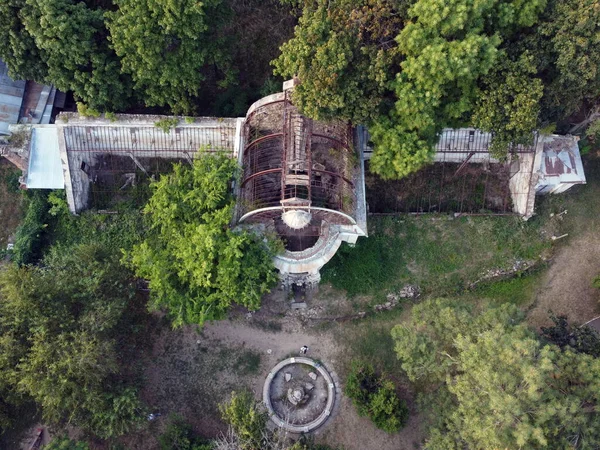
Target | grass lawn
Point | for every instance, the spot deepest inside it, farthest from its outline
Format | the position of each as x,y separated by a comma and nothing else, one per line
441,254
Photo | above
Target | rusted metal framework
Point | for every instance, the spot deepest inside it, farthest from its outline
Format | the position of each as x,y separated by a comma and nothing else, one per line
291,162
464,178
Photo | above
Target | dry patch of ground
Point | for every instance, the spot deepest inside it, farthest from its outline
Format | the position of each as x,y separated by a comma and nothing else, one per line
566,288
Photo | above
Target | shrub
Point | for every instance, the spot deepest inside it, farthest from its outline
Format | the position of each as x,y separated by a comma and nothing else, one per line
30,234
85,111
167,124
179,436
247,419
374,396
11,181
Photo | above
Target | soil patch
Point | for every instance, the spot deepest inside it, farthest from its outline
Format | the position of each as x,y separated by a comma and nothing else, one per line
566,288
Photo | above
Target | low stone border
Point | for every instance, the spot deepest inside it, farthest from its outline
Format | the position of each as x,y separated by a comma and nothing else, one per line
331,395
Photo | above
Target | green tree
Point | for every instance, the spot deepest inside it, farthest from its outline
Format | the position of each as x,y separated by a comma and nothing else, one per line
197,266
509,104
344,54
566,45
503,388
59,326
447,47
18,49
170,48
73,39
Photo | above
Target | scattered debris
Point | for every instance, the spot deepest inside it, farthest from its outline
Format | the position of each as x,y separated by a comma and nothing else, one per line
407,292
554,238
309,386
312,375
288,376
518,267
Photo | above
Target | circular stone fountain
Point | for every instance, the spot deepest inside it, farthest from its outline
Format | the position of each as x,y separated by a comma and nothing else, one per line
300,394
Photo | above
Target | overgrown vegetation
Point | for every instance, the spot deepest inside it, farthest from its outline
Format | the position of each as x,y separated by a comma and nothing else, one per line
493,384
410,68
375,396
179,436
196,265
167,124
32,231
70,319
440,254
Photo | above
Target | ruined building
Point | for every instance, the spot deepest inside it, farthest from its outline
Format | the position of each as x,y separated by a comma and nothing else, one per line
302,179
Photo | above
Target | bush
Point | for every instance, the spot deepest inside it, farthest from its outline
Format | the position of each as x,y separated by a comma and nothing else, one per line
30,234
11,181
246,418
167,124
374,396
179,436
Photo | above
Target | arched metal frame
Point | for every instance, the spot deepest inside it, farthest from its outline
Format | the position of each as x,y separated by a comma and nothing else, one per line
290,161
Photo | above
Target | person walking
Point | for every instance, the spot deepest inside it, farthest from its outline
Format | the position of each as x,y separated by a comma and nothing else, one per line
303,349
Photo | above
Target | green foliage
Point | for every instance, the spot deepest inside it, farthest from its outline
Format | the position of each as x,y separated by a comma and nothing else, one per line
375,396
11,180
508,106
247,419
110,116
196,265
64,443
167,124
17,46
179,436
503,387
168,47
343,53
447,47
86,111
593,131
567,55
73,39
59,328
582,339
596,282
31,233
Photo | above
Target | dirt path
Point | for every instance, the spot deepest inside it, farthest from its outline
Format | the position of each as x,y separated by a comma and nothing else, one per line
346,430
567,285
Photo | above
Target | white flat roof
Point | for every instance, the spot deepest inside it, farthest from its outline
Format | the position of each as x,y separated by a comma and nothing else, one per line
45,168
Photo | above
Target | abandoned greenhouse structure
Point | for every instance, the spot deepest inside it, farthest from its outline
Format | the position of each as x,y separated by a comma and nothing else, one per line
306,180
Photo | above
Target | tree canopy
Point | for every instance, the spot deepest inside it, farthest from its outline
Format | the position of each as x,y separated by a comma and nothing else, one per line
59,325
168,48
505,66
502,387
17,46
196,265
73,39
344,53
